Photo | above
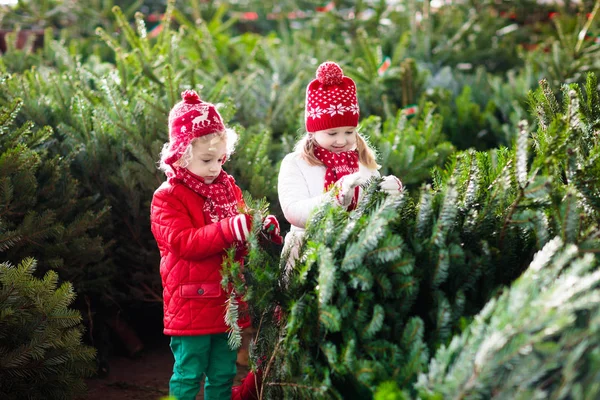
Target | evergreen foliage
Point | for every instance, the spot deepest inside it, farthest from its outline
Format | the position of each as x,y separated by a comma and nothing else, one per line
112,141
265,76
471,124
111,131
376,290
349,291
538,339
570,52
58,14
44,212
262,266
41,354
409,149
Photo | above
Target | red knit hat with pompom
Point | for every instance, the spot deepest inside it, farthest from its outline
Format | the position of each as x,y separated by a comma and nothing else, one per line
190,119
330,100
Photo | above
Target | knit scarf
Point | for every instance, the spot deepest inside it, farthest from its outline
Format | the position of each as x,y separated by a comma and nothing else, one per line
338,165
220,201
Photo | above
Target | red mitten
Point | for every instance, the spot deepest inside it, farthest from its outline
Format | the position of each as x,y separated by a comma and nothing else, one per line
277,313
240,226
248,388
271,227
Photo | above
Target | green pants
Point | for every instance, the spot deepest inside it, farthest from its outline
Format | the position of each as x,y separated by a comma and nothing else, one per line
196,356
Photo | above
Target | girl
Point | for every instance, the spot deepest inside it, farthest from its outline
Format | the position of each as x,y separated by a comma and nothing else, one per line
195,218
332,160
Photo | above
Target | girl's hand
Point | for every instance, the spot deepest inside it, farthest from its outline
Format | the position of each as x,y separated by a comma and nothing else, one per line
271,227
391,185
344,187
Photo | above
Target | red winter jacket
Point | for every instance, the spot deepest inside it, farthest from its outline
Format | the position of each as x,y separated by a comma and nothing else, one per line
191,252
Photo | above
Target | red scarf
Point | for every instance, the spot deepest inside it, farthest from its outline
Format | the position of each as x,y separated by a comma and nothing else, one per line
220,201
338,165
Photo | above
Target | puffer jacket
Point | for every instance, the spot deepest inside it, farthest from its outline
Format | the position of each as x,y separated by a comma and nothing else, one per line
191,252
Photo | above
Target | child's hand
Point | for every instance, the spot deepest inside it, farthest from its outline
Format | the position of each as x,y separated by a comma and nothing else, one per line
391,185
344,187
271,227
240,226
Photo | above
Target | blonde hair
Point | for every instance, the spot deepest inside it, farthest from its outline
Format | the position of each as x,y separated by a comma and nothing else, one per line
229,136
366,155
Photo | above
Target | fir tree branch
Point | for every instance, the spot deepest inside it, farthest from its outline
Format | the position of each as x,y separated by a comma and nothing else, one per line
586,27
268,368
508,218
294,385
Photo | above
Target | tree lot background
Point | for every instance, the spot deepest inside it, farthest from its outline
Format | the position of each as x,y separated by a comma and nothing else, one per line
84,114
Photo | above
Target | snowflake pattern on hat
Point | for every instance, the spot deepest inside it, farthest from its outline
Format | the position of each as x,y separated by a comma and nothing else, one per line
331,100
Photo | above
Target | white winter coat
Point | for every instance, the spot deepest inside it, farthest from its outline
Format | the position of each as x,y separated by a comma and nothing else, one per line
300,190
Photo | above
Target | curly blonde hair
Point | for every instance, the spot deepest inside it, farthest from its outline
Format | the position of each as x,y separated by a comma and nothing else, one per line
366,154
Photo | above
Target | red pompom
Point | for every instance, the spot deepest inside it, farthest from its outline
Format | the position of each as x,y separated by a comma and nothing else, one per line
329,73
190,97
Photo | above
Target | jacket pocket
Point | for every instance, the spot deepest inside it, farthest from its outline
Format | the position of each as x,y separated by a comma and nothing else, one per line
200,290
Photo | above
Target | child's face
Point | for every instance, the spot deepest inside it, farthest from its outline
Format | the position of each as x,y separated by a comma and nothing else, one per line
337,139
207,159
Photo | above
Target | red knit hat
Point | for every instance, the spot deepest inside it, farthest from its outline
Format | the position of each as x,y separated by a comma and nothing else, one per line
190,119
330,100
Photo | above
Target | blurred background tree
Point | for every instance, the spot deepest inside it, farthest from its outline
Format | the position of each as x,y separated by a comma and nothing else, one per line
442,86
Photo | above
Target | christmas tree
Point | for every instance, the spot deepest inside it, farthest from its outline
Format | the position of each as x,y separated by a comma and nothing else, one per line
45,215
41,354
376,291
538,339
